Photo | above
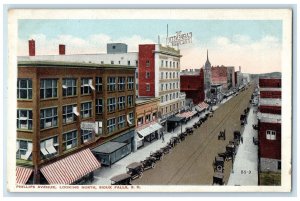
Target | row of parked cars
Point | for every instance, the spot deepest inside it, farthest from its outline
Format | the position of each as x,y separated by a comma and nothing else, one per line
135,170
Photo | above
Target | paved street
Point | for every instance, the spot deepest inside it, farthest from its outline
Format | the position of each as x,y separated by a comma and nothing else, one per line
191,161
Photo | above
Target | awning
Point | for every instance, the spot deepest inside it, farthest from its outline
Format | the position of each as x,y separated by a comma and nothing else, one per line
202,106
22,174
187,114
71,168
176,119
108,147
150,129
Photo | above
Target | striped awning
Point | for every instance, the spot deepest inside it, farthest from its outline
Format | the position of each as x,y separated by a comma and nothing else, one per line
203,106
71,168
187,114
150,129
22,174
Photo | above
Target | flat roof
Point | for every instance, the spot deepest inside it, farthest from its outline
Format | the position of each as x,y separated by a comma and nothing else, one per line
108,147
70,64
145,100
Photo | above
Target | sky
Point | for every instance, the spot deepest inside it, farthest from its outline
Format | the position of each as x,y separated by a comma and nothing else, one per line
255,45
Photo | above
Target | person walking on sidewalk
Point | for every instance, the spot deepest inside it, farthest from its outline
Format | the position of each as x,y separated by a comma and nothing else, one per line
162,137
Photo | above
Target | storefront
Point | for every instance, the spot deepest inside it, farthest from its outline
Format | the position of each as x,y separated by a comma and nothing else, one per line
148,134
173,122
115,150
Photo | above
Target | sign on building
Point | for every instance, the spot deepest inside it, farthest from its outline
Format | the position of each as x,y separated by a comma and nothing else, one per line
180,38
88,126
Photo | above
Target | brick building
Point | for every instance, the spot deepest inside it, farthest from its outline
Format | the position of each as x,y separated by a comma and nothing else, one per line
223,75
147,126
269,122
65,109
193,86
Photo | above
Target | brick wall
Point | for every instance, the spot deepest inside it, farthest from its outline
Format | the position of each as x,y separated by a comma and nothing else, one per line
270,94
273,83
146,54
270,109
219,76
193,86
270,148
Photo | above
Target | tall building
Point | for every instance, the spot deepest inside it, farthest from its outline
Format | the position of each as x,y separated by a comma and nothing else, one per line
207,77
158,72
223,75
67,110
269,125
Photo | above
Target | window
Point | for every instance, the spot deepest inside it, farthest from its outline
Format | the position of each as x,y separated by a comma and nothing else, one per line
48,118
170,86
147,87
166,86
48,88
140,121
99,106
174,64
69,87
24,89
154,115
170,75
136,62
161,87
99,84
102,62
177,64
147,63
177,75
279,165
121,83
147,75
166,63
177,94
49,147
148,118
166,109
69,140
85,86
112,62
119,62
131,117
111,125
130,101
68,114
173,85
166,75
111,104
271,135
86,110
173,95
167,97
121,102
170,63
86,135
130,83
128,63
176,85
121,121
24,150
170,96
111,84
173,75
161,99
161,75
162,63
114,47
24,119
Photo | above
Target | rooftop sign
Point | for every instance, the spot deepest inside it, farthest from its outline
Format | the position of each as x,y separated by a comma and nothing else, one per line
180,39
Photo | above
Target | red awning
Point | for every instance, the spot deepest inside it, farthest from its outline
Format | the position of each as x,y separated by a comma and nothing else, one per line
187,114
71,168
203,105
22,174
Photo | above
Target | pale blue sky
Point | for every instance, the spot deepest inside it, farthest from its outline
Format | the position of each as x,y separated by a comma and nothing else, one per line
256,45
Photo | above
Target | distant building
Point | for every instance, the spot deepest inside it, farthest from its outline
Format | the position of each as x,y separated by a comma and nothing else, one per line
207,77
216,92
223,75
116,48
193,86
269,124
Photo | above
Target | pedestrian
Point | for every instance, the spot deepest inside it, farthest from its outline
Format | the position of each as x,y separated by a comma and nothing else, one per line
163,137
242,140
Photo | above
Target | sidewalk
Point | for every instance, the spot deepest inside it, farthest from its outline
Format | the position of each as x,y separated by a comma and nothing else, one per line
245,164
102,176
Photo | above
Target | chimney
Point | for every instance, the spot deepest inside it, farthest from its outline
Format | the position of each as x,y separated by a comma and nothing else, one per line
31,44
62,49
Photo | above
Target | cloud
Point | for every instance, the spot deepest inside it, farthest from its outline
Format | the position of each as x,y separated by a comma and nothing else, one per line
75,45
259,56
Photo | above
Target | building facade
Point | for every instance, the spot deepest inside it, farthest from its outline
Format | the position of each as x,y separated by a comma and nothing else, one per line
67,107
193,86
269,124
223,75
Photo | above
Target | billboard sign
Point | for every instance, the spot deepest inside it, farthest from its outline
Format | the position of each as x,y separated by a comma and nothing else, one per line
180,38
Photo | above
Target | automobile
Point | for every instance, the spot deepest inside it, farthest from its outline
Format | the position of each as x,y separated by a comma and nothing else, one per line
230,151
148,163
222,135
189,130
166,149
121,179
218,178
218,164
237,137
174,141
182,136
135,170
158,155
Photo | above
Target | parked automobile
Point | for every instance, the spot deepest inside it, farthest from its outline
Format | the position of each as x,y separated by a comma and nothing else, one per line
135,170
121,179
218,164
148,163
158,155
189,130
218,178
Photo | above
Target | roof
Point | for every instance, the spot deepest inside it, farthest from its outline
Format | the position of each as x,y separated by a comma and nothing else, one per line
269,118
145,100
120,177
108,147
134,165
176,119
69,64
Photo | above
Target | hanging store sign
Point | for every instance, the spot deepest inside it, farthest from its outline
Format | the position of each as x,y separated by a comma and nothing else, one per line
180,38
88,126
